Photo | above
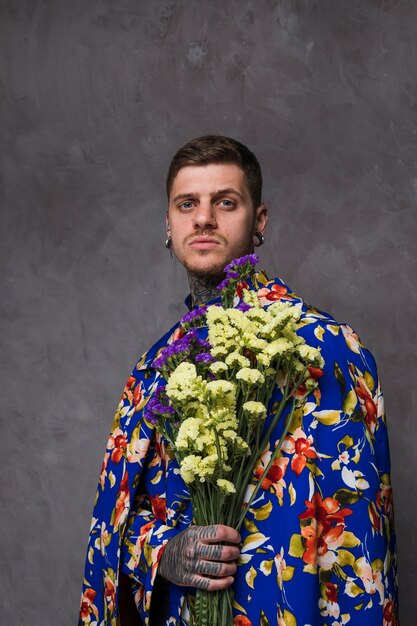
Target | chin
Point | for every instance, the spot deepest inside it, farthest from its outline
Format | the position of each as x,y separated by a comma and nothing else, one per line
206,269
209,264
205,266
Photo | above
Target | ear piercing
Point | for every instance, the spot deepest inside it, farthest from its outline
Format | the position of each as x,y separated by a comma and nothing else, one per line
258,239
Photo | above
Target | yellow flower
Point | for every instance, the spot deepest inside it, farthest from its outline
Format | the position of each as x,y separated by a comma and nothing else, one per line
310,354
222,392
258,315
229,435
219,352
183,383
263,359
285,310
278,347
253,342
255,410
188,467
218,367
250,376
251,298
216,314
235,358
189,434
226,486
240,446
206,467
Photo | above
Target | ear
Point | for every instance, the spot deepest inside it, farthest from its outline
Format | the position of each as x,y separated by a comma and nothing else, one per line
167,224
261,218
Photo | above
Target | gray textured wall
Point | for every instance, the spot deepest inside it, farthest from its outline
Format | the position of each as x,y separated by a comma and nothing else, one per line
95,98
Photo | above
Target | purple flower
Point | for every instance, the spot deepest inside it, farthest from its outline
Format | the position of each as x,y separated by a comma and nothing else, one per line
158,406
204,357
232,274
252,259
150,412
243,306
194,315
160,362
223,284
202,343
181,348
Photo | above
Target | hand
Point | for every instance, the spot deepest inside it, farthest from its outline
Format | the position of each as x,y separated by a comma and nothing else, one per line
197,558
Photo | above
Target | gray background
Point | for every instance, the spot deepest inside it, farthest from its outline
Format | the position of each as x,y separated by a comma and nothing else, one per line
95,98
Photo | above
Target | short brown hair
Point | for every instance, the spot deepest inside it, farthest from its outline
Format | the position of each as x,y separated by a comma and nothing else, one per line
217,149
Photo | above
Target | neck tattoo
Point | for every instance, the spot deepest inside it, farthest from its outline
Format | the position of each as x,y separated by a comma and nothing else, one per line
203,288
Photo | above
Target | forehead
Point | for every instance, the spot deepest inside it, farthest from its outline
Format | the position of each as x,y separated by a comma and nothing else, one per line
208,179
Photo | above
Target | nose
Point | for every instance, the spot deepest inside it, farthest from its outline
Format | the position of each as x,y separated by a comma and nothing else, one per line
204,215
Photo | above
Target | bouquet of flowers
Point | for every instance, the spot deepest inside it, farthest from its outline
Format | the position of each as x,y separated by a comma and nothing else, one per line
214,409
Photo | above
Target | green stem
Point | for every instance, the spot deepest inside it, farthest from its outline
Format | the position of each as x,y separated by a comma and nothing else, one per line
274,455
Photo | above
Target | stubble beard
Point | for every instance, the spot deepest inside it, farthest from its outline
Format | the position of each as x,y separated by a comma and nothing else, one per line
215,269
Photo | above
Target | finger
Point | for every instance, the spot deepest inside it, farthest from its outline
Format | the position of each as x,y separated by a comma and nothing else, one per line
215,552
220,532
213,568
211,584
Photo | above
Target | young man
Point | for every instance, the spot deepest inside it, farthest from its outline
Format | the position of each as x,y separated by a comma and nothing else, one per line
320,547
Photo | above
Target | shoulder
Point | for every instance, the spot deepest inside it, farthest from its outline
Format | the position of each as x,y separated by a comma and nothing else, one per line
336,340
145,361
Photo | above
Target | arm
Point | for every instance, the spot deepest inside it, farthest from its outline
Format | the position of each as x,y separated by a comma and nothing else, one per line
346,535
157,550
123,463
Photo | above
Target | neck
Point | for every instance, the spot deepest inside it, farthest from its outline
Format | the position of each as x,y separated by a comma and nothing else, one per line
203,288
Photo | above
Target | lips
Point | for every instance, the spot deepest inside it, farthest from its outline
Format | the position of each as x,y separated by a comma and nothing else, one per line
203,243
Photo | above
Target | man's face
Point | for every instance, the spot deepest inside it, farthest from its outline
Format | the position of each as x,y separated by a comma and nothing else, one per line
211,217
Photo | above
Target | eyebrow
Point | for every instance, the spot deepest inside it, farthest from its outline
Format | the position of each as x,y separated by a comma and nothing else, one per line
220,192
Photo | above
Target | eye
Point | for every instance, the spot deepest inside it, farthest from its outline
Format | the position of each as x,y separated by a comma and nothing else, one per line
186,205
226,203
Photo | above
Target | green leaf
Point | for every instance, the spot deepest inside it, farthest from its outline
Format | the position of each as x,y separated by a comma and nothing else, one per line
385,479
347,441
293,493
347,496
266,566
237,606
354,590
340,378
325,575
310,569
263,512
349,540
157,478
112,479
357,415
147,553
253,541
370,383
328,418
263,620
288,572
377,565
250,525
345,558
297,420
250,576
289,619
350,402
296,546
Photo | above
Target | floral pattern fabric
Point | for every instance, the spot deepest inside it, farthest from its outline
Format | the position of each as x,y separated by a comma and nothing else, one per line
318,542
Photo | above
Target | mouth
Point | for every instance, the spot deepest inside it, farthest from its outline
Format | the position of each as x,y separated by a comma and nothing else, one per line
203,243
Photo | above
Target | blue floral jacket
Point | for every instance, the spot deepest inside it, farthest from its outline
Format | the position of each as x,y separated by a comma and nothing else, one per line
318,543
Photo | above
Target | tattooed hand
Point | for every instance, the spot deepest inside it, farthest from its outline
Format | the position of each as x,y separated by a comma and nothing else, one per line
197,558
